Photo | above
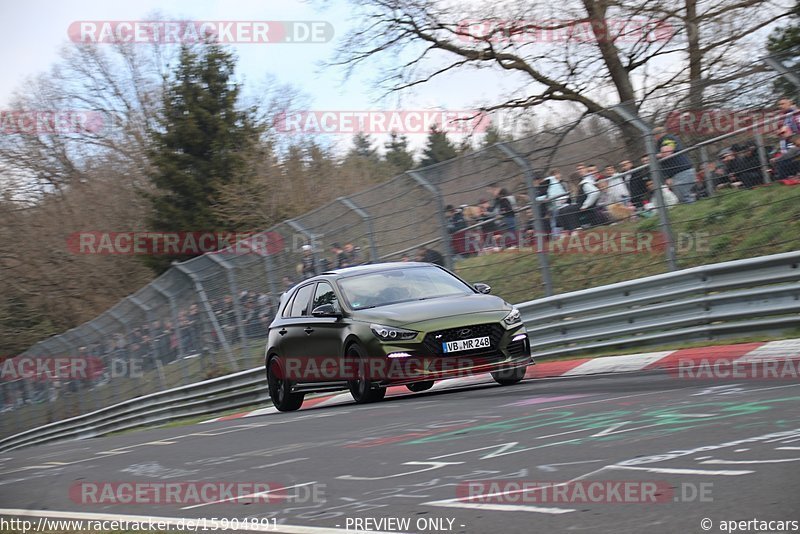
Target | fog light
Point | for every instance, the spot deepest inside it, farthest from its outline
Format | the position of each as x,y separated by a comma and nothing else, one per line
399,355
519,337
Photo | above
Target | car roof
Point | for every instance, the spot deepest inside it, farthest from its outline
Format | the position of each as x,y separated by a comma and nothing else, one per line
375,267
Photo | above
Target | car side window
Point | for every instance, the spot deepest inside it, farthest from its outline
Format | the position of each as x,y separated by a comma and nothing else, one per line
325,295
301,300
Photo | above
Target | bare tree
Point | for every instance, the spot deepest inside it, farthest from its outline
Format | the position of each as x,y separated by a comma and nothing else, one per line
592,54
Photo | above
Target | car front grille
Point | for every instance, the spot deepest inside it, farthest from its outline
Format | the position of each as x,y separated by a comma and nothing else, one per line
433,340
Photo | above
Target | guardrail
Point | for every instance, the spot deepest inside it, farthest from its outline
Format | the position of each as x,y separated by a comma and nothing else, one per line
702,303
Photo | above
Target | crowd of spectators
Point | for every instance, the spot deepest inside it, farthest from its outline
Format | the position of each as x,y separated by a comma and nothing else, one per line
590,197
153,344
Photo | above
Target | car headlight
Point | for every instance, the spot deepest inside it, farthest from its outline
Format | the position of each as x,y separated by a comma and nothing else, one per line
514,317
391,333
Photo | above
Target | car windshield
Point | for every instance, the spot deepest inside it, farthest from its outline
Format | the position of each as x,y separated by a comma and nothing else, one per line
400,285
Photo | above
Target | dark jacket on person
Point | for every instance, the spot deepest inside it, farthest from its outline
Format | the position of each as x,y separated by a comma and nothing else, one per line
674,164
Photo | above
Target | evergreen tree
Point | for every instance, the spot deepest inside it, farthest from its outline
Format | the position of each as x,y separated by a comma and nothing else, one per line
493,136
398,155
438,147
201,145
362,147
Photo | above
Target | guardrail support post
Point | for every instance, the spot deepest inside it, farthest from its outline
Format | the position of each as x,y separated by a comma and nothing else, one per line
349,204
655,171
536,207
437,195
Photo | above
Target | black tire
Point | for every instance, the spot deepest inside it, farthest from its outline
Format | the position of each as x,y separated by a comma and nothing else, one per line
279,389
362,389
508,377
416,387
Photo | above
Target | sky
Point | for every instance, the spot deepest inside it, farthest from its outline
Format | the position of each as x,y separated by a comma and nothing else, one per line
38,30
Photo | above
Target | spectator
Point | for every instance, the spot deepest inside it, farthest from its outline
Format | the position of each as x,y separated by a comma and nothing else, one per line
639,190
789,160
617,195
675,168
791,119
588,197
429,255
486,217
670,198
307,265
502,208
555,196
748,166
352,255
729,179
455,219
708,172
785,167
339,257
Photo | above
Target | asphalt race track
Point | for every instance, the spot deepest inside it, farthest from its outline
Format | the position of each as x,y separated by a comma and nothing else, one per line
717,450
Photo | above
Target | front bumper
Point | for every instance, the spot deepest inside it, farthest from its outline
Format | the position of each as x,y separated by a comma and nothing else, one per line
398,364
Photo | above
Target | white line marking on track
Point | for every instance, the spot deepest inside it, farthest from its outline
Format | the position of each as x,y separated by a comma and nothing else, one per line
280,463
775,461
677,471
501,507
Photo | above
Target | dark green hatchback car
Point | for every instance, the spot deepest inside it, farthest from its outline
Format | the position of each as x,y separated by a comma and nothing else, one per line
368,327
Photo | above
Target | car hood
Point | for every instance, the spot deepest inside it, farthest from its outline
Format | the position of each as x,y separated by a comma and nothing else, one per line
420,311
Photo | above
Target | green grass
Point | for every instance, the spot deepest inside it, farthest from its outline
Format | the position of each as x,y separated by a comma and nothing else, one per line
730,226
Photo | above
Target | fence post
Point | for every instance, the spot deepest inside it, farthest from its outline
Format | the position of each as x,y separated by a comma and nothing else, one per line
536,206
776,65
373,249
762,155
655,171
201,292
708,181
437,195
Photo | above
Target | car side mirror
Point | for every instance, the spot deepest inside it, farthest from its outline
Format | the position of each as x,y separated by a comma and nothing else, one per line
325,310
483,288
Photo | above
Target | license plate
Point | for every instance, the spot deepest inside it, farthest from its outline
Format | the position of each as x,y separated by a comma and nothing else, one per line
466,344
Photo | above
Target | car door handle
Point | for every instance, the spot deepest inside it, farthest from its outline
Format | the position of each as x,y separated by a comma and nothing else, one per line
282,331
308,330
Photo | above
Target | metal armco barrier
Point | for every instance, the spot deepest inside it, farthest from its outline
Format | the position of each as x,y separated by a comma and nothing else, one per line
703,303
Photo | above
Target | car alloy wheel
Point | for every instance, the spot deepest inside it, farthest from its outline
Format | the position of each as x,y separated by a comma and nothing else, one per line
280,388
362,389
